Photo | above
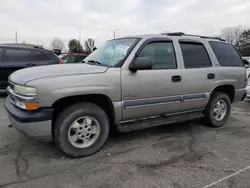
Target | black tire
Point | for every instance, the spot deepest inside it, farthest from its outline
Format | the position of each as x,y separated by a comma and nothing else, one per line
68,116
209,114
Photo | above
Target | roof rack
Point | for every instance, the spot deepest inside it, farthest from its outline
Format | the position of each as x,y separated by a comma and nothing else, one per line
183,34
23,45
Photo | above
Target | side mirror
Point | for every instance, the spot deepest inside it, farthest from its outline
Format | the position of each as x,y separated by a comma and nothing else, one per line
141,63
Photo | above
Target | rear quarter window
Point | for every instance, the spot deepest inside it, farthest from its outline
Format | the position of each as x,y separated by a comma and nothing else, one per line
39,56
226,54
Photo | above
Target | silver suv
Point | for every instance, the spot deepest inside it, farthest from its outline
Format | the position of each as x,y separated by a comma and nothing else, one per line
129,83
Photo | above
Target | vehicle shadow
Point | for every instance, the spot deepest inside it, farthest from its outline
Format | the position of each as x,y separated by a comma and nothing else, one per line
117,141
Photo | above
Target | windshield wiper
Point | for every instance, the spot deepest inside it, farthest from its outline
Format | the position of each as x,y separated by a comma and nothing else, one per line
94,62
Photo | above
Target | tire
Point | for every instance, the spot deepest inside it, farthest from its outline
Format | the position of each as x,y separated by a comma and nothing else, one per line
72,114
210,118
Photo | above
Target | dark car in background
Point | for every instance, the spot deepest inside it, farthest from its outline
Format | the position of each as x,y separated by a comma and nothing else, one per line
72,57
13,58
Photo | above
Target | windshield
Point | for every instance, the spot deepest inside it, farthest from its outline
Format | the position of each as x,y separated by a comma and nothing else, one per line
113,52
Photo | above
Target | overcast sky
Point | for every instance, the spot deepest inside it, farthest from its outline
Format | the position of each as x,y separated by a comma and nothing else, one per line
39,21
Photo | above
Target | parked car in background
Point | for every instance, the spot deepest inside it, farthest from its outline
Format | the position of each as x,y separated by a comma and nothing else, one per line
131,83
246,61
13,58
72,57
248,89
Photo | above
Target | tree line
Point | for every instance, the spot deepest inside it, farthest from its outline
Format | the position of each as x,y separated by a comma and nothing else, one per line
239,37
74,45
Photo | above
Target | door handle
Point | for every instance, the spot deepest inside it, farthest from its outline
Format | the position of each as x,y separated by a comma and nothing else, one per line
30,64
176,78
211,76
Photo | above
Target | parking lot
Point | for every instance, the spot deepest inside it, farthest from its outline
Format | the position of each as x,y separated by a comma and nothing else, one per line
179,155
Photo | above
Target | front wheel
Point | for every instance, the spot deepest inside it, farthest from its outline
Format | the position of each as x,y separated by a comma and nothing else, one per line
81,129
218,110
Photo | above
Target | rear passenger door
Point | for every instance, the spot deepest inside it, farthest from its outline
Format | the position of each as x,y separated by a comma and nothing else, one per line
198,75
13,59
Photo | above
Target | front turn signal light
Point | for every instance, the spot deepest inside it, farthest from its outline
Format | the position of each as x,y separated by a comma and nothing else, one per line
31,106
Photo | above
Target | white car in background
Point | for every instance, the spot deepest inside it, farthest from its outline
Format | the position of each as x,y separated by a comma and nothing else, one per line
246,61
248,89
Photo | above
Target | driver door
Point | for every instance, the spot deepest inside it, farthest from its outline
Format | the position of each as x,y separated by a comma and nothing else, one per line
153,92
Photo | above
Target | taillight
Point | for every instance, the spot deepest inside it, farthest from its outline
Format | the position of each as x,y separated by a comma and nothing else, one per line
61,62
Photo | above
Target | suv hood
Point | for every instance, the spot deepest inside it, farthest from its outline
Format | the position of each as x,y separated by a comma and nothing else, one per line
25,75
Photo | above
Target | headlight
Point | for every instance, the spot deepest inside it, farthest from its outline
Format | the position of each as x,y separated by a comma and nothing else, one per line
24,90
24,97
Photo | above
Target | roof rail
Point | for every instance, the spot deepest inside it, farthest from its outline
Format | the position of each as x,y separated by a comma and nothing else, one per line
23,45
190,35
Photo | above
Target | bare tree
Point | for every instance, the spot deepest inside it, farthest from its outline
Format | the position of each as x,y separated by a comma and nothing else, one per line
89,45
231,34
57,43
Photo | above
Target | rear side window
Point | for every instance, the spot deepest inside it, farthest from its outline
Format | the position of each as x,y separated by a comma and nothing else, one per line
39,56
17,55
226,54
195,55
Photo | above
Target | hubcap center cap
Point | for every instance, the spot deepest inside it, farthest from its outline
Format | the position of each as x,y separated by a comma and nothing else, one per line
84,131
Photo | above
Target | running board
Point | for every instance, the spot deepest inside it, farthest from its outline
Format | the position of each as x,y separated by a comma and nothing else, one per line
158,121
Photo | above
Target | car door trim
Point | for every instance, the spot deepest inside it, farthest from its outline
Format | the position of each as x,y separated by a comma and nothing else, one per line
162,100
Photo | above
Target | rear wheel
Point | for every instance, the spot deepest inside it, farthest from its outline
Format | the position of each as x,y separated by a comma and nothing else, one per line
218,110
81,129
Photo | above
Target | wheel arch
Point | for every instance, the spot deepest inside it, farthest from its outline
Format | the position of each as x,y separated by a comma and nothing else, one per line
227,89
101,100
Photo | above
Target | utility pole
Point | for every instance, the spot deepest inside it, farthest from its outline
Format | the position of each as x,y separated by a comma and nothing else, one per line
116,33
16,36
80,34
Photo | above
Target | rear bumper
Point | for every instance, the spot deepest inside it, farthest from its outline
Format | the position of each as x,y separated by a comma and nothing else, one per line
239,95
35,125
248,92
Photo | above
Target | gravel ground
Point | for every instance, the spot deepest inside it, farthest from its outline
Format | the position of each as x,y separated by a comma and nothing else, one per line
179,155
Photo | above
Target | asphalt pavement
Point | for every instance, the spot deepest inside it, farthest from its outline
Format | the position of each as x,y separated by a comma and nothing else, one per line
172,156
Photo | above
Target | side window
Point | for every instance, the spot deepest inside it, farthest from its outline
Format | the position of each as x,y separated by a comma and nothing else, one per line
226,54
39,56
162,55
17,55
195,55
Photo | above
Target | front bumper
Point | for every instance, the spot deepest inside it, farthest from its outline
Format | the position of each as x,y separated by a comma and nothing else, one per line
34,124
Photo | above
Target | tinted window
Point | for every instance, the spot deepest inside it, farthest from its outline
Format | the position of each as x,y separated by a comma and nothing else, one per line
195,55
39,56
79,58
162,55
17,55
226,54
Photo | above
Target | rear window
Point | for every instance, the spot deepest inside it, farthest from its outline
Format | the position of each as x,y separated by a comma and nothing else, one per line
39,56
226,54
79,58
17,55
